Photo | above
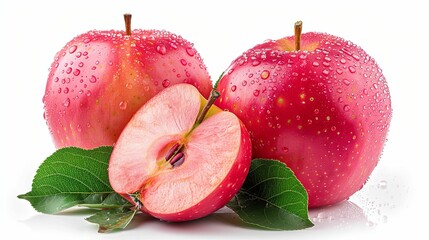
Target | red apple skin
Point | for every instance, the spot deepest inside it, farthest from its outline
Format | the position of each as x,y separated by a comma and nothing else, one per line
324,110
101,78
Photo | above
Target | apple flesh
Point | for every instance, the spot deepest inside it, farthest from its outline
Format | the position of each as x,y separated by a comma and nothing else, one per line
101,78
323,110
175,167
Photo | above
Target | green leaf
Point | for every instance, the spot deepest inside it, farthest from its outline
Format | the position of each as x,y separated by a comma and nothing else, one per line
73,176
112,219
272,198
218,80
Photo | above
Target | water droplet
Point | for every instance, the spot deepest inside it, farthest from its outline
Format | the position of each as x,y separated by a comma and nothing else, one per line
326,71
97,62
72,49
316,64
178,75
285,149
375,85
256,63
80,64
382,184
183,62
69,70
93,68
343,60
190,51
355,56
129,85
59,90
76,72
79,54
365,91
165,83
66,90
66,102
233,88
92,79
303,56
339,71
244,83
123,105
88,93
256,93
161,49
265,74
346,108
352,69
346,82
56,79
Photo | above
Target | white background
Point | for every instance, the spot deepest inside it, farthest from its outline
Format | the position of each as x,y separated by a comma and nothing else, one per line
393,32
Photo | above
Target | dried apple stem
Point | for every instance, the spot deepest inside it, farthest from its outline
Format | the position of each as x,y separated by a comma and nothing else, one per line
298,30
127,19
213,96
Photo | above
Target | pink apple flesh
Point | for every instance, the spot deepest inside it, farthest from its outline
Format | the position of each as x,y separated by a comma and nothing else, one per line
217,155
324,111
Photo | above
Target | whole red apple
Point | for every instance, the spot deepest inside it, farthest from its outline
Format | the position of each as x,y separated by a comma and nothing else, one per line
101,78
318,103
177,160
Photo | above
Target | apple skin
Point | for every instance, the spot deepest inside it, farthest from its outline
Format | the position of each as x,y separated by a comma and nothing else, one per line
324,110
101,78
217,152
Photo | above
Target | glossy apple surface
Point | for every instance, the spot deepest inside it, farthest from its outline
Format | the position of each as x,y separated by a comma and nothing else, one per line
193,180
101,78
324,110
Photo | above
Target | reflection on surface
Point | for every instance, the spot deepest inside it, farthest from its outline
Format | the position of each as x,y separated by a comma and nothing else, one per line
341,215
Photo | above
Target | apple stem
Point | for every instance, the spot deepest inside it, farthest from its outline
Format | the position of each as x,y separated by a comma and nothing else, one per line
212,98
127,19
298,30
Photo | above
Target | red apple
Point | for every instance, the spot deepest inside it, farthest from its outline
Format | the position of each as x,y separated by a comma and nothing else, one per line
177,160
101,78
323,109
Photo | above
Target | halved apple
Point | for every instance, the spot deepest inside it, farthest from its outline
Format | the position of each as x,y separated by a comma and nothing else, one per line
180,157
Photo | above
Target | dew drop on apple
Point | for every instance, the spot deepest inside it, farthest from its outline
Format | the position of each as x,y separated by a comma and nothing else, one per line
233,88
346,108
183,62
316,64
339,71
256,93
80,64
285,149
346,82
69,70
76,72
343,61
66,102
190,51
265,74
161,49
72,49
352,69
256,63
325,72
66,90
92,79
123,105
166,83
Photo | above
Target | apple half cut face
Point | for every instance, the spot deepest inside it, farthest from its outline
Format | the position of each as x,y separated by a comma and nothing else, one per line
176,167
